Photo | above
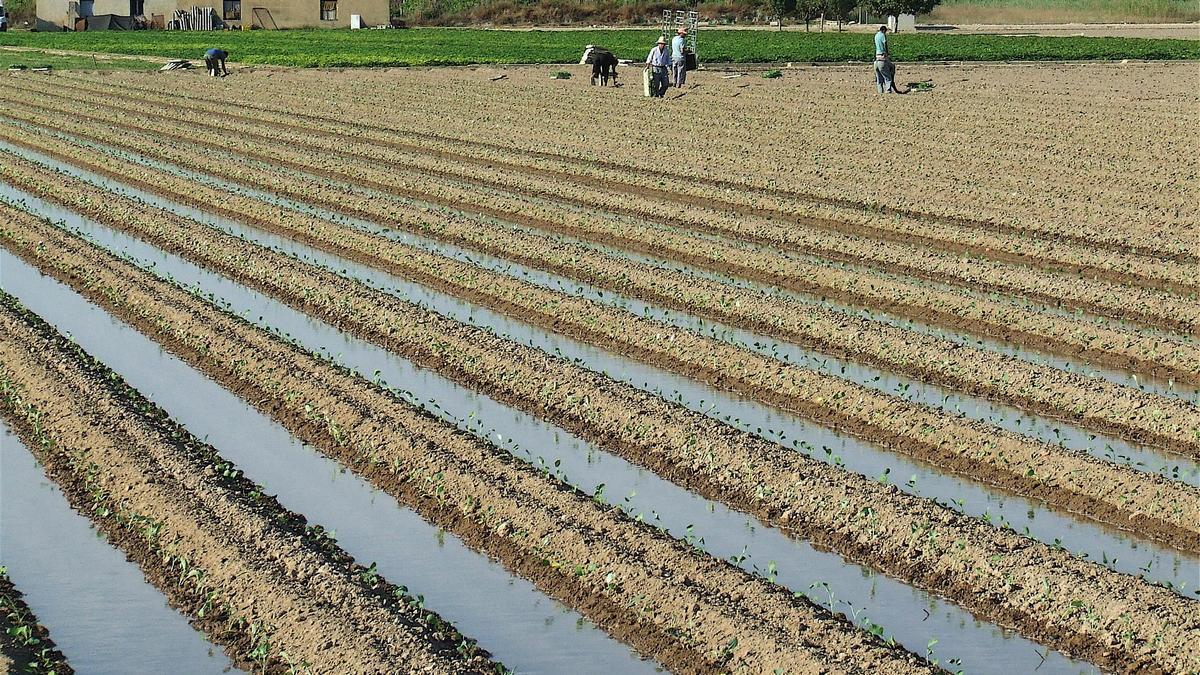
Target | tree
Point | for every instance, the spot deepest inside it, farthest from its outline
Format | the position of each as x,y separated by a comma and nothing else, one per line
782,7
898,7
841,9
809,10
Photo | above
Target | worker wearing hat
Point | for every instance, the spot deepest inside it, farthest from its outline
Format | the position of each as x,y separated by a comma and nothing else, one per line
658,61
678,59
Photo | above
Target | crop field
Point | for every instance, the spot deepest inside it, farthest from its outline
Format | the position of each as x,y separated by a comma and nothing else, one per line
441,371
461,46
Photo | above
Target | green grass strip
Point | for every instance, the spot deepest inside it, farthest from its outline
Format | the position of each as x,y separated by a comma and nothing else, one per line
457,46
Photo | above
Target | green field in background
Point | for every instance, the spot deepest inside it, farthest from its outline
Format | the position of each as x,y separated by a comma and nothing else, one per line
455,46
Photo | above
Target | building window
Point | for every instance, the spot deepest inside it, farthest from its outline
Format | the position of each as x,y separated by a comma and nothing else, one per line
233,10
329,10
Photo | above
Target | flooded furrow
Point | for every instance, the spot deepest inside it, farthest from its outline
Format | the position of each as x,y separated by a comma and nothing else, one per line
1010,418
914,617
1125,378
510,618
1031,298
1117,550
102,613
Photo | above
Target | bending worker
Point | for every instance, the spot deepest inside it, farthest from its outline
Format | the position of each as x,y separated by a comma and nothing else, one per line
678,58
214,60
658,61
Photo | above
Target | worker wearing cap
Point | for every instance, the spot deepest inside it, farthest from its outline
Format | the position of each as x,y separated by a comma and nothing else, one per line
885,71
678,59
658,61
214,60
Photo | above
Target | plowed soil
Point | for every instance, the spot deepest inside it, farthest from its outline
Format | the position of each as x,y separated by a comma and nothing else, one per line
1047,208
220,550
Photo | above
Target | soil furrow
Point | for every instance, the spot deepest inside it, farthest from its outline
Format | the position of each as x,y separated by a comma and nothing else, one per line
25,644
223,552
1096,405
571,187
681,606
1067,480
620,172
1075,338
1153,308
801,496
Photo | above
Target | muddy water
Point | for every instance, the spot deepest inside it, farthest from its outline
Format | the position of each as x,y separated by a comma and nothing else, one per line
1162,387
1117,551
1007,417
912,617
508,616
99,608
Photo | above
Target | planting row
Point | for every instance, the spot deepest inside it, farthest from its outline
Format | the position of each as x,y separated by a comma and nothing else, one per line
915,618
209,539
99,608
1145,419
1148,503
1065,435
691,611
518,623
25,644
831,232
1064,478
1007,190
1115,551
1142,353
274,266
1152,307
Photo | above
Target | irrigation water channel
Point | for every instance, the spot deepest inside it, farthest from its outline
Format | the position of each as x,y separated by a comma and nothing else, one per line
1151,385
856,268
1007,417
1128,555
914,618
509,617
99,609
861,269
1117,551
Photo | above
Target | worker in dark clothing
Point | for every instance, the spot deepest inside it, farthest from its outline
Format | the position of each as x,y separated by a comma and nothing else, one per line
604,67
214,60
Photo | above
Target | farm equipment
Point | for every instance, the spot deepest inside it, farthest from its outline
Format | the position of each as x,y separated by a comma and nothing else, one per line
672,21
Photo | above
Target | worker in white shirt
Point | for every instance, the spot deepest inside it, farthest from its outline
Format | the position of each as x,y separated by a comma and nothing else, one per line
678,59
658,61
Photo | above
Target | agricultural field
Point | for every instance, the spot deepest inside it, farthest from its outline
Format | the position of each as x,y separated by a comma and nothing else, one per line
475,370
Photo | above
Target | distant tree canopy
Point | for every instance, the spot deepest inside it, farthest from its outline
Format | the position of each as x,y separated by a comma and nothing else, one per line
897,7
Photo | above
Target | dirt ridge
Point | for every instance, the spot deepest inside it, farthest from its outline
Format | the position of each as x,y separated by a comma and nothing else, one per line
562,540
758,468
164,499
25,644
1153,308
1056,334
1147,504
981,225
1093,404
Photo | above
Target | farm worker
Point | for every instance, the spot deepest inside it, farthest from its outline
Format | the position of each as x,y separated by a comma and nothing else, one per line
214,60
658,61
678,59
885,70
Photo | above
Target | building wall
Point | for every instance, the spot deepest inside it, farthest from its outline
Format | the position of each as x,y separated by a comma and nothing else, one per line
307,13
286,13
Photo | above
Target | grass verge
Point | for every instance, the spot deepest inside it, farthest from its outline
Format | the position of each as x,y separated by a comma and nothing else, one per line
455,46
